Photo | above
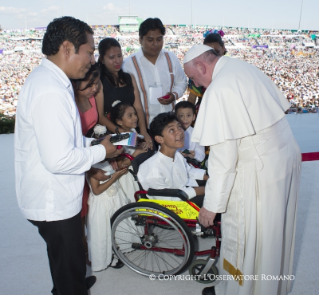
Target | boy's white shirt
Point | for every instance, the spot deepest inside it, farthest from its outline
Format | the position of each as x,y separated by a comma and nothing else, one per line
193,146
160,172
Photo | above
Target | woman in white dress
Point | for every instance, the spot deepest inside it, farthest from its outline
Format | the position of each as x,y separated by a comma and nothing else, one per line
105,199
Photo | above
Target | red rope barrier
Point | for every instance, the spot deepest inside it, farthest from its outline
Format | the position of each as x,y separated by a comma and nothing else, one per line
310,157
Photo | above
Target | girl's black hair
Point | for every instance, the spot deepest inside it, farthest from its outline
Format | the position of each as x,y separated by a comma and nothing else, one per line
118,112
214,38
104,46
91,76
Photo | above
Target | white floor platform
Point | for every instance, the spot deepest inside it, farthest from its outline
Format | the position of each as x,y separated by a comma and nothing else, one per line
24,267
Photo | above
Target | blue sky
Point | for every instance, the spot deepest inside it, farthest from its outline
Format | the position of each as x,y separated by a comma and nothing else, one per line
243,13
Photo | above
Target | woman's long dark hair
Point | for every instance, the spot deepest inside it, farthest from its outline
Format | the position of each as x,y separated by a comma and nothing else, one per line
90,76
104,46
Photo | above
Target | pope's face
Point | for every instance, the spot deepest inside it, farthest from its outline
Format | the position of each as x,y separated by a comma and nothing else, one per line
193,73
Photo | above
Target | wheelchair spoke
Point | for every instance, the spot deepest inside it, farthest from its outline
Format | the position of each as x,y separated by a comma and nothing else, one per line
171,256
156,260
156,245
141,254
130,226
156,253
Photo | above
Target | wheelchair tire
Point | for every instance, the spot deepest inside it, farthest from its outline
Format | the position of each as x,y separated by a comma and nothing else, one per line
196,267
141,242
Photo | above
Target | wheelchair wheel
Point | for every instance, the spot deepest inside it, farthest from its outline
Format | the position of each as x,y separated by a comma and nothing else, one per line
151,239
196,267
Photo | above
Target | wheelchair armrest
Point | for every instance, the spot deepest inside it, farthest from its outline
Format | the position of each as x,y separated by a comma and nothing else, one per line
168,193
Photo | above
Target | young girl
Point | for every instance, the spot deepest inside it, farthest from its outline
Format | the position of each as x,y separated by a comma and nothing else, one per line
106,197
124,116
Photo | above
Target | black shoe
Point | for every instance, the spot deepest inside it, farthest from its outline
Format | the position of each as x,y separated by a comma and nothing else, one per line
209,291
90,281
119,264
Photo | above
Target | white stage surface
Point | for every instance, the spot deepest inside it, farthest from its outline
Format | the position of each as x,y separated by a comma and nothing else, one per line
24,264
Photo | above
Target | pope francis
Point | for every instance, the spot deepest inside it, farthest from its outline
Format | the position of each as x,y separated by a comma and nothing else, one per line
254,168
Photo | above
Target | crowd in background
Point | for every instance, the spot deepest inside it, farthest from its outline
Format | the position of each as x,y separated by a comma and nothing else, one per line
290,59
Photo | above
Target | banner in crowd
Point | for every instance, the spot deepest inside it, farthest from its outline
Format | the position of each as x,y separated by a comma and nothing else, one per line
260,46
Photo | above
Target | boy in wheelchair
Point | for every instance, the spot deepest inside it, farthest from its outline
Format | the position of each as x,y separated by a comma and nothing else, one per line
168,169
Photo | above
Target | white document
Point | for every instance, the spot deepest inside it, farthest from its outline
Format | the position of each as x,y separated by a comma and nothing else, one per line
155,93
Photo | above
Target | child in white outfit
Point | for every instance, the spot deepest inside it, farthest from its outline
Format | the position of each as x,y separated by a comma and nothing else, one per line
104,200
185,112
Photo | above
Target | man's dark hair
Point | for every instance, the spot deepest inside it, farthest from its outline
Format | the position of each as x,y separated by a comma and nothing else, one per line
185,105
91,76
62,29
159,123
151,24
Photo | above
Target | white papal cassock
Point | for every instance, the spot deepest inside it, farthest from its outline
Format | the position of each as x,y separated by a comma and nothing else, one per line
254,168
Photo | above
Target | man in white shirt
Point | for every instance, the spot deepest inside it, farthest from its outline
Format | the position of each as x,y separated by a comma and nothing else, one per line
254,167
51,155
168,169
157,72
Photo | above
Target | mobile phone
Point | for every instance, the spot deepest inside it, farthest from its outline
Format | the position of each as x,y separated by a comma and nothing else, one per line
119,137
186,152
96,141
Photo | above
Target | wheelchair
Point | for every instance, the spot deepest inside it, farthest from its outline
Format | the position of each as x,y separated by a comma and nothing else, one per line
158,237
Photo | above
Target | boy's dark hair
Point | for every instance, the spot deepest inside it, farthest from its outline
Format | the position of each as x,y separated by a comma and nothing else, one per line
159,123
62,29
90,76
185,105
151,24
118,111
104,46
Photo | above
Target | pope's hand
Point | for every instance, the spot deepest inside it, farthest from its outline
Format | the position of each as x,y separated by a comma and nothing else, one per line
205,217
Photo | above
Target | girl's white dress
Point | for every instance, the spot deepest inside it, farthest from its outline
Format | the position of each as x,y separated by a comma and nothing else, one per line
101,210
